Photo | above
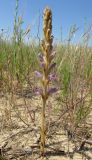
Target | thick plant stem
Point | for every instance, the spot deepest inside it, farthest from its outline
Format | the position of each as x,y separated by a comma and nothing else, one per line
43,129
43,123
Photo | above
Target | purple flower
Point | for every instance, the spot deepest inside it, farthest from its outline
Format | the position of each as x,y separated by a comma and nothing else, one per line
40,57
38,74
38,91
52,90
42,64
52,66
52,77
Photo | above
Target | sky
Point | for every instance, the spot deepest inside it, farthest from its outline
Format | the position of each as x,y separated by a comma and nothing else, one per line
65,14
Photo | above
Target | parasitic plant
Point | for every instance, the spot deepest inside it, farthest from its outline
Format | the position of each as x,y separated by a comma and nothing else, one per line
47,64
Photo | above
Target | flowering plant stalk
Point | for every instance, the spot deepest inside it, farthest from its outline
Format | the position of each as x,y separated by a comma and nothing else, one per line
47,64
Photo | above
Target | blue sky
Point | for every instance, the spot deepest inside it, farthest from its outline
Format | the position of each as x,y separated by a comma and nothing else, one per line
65,14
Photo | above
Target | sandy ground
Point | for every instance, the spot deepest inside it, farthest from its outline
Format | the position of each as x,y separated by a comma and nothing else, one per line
20,131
